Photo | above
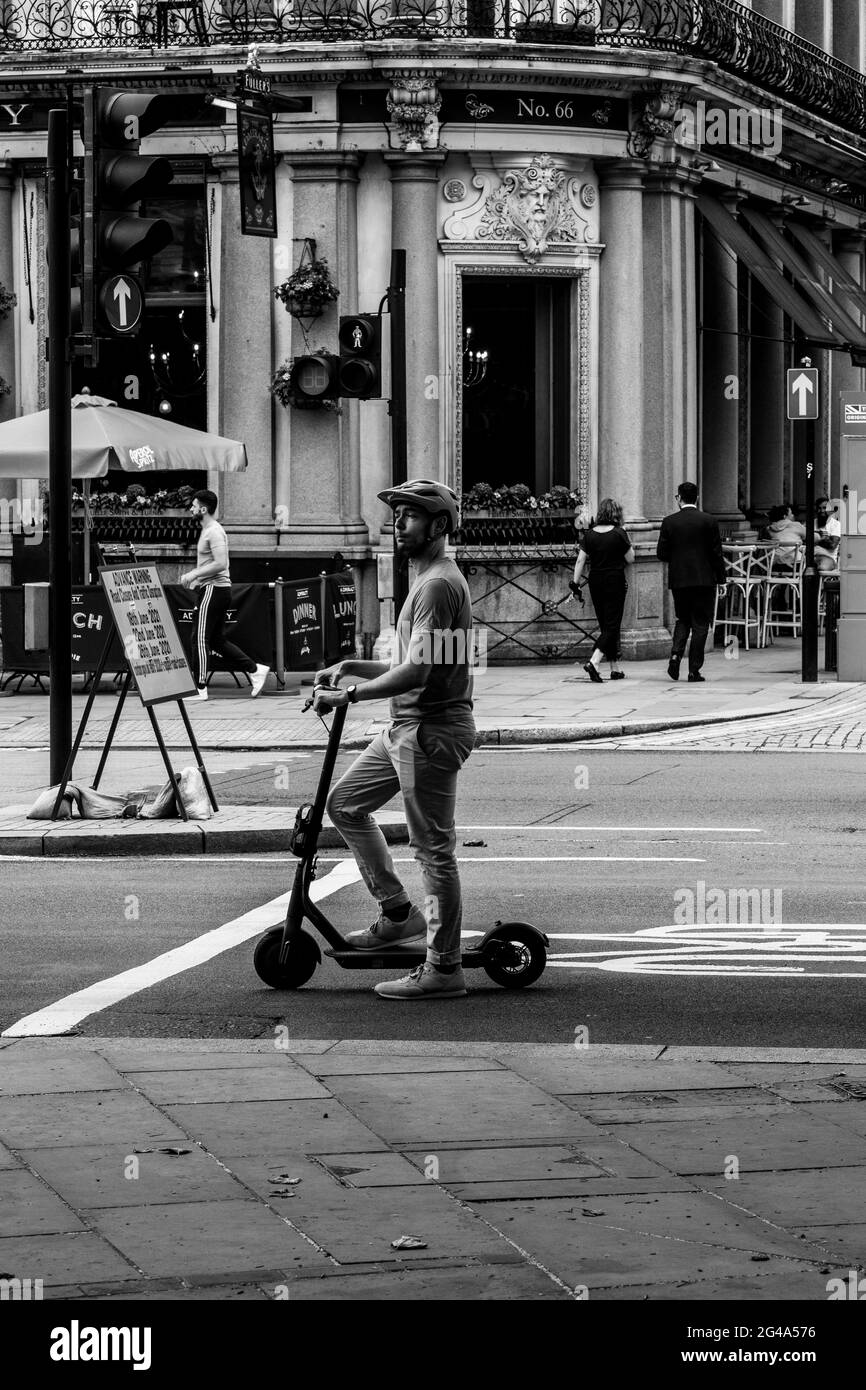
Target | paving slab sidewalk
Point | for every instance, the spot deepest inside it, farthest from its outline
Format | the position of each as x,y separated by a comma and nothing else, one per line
196,1169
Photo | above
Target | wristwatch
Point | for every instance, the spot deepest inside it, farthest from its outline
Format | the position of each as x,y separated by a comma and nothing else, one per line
352,692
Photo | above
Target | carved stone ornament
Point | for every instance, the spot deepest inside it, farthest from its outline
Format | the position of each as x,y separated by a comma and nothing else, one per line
535,206
654,120
413,103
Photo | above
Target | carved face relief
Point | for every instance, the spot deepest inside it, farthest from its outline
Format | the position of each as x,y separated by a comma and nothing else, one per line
532,202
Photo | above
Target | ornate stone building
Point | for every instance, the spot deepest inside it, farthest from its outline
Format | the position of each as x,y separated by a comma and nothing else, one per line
623,220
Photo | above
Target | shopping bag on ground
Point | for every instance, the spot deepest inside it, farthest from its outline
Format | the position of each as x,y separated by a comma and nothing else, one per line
44,803
194,794
162,806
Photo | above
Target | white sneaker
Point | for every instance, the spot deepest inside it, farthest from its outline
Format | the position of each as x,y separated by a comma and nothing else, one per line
201,694
258,678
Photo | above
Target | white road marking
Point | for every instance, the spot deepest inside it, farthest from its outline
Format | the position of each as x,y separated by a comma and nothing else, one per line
788,950
62,1016
721,829
564,859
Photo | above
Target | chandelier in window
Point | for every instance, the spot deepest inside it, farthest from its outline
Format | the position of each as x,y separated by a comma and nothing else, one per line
179,377
475,362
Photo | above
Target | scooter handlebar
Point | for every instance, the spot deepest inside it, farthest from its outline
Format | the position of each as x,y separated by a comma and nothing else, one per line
317,685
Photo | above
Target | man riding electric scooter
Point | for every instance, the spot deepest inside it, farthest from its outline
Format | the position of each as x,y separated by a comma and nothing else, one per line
429,683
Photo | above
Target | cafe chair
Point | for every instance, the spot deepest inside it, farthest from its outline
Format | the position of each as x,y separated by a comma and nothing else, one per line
783,606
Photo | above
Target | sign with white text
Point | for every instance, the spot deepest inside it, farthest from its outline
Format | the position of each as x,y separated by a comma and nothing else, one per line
147,632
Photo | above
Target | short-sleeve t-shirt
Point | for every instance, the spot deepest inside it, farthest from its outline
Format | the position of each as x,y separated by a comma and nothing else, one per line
213,545
606,549
435,628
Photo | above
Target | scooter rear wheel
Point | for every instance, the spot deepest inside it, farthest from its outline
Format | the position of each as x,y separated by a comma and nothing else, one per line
517,957
304,956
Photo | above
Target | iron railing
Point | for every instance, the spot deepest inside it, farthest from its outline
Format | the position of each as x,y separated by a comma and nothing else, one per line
736,38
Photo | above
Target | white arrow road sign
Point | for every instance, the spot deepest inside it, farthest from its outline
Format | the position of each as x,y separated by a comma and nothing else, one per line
803,393
122,294
121,302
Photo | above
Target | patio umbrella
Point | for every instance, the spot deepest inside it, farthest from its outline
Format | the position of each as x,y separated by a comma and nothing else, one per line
104,436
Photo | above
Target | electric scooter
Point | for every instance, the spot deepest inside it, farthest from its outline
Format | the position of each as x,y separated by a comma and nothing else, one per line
514,954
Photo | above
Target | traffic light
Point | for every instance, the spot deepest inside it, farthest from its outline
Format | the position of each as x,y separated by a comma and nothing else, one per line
314,378
81,254
360,375
122,178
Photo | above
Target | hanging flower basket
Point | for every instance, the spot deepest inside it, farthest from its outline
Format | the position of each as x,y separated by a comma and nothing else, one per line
308,291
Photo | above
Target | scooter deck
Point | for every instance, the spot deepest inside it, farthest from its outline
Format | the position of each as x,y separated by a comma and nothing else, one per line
389,960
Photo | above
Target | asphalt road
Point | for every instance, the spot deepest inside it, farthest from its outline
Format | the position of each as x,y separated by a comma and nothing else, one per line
689,900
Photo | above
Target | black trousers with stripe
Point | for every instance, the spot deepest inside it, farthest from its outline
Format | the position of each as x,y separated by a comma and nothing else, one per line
209,634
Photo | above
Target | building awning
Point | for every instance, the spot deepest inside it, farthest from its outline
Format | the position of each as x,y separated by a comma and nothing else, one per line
827,304
766,271
844,284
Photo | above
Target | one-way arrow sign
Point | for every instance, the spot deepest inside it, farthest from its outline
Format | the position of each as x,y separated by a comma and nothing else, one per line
121,302
803,393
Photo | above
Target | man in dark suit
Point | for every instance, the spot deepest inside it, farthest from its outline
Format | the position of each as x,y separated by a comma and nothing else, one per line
690,542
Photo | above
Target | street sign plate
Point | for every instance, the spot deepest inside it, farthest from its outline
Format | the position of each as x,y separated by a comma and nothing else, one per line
121,302
802,393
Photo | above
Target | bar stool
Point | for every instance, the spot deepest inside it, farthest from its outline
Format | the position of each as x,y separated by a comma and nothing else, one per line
789,582
745,573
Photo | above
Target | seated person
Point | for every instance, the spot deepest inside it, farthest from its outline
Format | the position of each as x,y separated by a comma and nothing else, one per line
786,535
828,535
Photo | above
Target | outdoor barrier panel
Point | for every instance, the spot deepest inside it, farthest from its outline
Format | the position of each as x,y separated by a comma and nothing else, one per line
302,626
340,607
318,625
249,623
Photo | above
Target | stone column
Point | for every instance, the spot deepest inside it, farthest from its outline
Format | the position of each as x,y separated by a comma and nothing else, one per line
812,22
849,253
325,463
621,346
767,455
670,342
8,486
669,387
849,33
720,384
246,297
415,187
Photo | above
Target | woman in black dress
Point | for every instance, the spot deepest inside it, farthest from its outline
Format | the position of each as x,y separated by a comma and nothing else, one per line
608,550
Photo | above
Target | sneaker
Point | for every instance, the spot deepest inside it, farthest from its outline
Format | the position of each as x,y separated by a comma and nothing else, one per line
258,678
593,672
696,676
384,932
425,982
674,668
617,675
201,694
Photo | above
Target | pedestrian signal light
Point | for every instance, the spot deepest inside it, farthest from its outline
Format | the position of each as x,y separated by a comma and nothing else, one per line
360,356
314,378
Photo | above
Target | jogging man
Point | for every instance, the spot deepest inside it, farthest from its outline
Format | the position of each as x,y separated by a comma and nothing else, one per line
211,578
429,682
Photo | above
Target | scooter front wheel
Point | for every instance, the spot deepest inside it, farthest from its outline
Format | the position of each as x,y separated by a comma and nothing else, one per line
304,956
515,956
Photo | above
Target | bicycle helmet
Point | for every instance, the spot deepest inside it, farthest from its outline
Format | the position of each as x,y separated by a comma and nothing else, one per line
434,498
